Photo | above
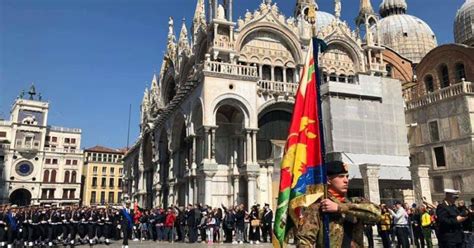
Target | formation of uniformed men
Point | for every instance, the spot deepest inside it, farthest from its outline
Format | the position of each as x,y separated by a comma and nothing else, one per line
48,226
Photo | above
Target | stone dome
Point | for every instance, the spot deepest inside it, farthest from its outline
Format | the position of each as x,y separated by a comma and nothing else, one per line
389,5
408,35
323,19
464,24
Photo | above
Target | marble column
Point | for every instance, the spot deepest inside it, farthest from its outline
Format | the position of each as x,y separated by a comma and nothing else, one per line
251,186
213,145
193,153
172,197
248,144
195,190
254,147
236,187
273,73
207,142
421,183
190,191
208,188
370,177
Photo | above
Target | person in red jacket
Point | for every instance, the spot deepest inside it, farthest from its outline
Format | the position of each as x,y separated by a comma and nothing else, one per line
169,224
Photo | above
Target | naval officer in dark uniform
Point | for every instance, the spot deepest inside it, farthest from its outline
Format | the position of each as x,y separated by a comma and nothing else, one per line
450,221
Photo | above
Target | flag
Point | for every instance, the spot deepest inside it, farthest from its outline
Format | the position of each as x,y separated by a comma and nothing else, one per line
302,178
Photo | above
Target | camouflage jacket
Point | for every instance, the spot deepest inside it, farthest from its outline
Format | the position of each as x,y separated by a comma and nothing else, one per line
345,228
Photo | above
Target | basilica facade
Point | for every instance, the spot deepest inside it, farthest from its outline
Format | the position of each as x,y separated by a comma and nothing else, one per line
214,121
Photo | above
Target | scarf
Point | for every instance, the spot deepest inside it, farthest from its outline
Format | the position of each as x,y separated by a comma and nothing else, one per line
337,195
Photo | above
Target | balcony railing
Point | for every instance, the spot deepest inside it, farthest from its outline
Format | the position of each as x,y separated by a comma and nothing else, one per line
4,146
230,69
224,44
445,93
64,129
5,123
272,87
61,150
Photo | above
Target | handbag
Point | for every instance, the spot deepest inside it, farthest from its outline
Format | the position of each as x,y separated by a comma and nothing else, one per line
255,223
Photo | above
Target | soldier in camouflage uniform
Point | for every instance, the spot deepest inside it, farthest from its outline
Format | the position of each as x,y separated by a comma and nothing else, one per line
346,216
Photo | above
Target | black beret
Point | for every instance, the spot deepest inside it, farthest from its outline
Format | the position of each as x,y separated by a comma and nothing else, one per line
336,168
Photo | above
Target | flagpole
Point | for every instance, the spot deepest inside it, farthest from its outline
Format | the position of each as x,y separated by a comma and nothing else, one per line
318,45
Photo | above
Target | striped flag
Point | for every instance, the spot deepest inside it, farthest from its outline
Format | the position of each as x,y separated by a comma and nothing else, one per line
302,177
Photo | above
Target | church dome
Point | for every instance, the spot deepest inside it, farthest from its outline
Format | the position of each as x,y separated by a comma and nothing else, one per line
464,24
323,19
408,35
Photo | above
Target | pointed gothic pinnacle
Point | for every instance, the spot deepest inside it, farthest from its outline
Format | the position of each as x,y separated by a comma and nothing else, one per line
366,7
155,78
184,31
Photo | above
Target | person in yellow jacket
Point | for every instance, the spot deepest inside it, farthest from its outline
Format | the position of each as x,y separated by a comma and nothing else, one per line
385,226
426,226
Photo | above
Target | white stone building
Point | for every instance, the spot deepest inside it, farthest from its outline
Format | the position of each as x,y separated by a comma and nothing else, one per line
215,120
39,163
440,111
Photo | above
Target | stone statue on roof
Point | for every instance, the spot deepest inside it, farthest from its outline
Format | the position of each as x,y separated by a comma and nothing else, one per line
170,26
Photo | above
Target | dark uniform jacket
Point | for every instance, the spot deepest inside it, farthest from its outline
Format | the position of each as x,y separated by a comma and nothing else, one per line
345,228
450,230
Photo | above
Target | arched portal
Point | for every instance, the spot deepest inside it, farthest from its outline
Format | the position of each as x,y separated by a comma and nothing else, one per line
164,159
180,160
230,122
20,197
148,171
273,123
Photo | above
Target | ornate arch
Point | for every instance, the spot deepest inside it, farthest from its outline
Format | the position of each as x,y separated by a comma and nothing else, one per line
288,37
197,105
351,47
236,101
168,78
268,104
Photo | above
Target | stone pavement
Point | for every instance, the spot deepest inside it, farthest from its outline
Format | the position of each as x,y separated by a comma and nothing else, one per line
149,244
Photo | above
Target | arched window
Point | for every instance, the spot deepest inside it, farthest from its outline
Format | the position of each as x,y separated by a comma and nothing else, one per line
443,76
290,76
324,77
460,72
46,176
333,77
389,69
429,84
267,72
278,74
342,78
66,177
53,176
351,79
73,177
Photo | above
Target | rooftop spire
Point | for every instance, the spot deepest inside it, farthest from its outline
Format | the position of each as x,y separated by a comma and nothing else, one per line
183,42
199,20
171,28
365,10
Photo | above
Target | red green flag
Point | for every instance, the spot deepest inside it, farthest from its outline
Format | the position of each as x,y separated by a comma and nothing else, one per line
301,181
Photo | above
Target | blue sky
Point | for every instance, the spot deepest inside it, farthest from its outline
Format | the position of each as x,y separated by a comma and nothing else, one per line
91,59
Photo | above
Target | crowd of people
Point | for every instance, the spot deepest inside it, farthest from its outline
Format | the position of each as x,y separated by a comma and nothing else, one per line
400,225
405,226
48,226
